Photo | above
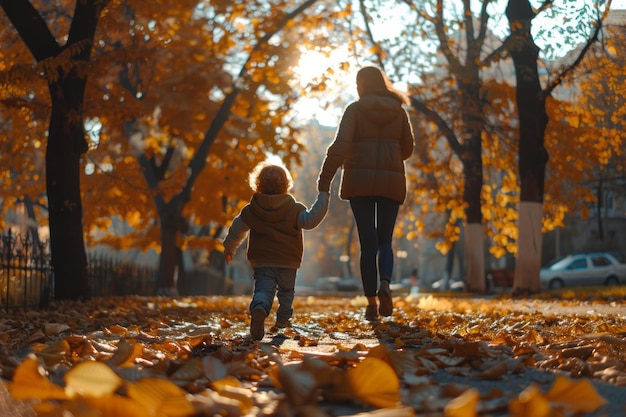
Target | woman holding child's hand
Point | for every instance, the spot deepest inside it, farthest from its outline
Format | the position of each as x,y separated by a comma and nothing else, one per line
372,142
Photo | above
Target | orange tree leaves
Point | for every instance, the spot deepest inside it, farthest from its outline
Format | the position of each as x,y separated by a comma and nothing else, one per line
157,79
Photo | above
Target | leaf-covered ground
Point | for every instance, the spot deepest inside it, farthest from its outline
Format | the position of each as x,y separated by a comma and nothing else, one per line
141,356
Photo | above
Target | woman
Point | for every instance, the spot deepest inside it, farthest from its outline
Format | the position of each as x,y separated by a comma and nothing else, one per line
373,140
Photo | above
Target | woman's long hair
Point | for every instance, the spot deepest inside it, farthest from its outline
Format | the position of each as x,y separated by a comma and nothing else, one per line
372,80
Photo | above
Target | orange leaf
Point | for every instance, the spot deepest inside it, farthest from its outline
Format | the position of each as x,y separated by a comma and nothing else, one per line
230,387
530,403
465,405
160,397
29,382
126,354
115,406
374,382
577,396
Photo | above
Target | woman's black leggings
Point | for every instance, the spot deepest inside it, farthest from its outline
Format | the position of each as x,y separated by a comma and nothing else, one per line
375,220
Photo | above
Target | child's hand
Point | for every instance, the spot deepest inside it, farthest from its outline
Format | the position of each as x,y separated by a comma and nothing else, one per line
228,257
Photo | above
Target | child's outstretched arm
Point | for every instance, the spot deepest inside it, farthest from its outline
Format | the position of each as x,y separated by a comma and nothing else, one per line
236,234
308,219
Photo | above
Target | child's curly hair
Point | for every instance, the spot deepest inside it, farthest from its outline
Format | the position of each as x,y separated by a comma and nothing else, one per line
268,178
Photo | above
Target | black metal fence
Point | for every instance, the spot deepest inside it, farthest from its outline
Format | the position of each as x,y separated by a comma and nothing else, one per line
108,277
25,271
27,276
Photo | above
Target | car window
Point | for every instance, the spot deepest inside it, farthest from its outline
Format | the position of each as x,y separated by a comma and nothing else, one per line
559,264
578,264
621,258
600,261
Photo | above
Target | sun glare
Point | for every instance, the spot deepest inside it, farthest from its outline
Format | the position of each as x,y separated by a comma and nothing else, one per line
327,81
314,65
311,66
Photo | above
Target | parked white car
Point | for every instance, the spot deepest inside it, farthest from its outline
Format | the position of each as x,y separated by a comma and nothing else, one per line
592,268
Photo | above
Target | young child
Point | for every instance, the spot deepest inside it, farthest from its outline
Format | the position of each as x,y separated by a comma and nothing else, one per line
275,221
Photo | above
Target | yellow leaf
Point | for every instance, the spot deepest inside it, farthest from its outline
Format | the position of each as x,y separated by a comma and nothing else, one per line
530,403
577,396
160,397
374,382
29,382
230,387
465,405
91,379
55,353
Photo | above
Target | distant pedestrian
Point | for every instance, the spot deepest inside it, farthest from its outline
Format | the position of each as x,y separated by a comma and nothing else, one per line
274,220
372,142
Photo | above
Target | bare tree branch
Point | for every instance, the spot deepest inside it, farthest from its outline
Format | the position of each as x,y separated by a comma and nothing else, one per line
370,35
558,80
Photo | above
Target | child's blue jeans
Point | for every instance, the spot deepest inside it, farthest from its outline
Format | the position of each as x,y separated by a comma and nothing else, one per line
270,282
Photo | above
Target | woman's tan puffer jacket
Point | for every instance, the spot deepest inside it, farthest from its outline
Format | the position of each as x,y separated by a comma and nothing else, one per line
374,139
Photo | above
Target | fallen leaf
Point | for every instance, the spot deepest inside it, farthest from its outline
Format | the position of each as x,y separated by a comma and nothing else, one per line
530,402
126,354
374,382
53,329
465,405
91,379
214,369
190,371
496,371
388,412
160,397
55,353
577,396
115,406
299,386
29,381
230,387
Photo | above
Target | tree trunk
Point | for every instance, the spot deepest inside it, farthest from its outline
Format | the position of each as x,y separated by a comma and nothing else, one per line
33,229
66,144
533,157
66,138
474,239
173,225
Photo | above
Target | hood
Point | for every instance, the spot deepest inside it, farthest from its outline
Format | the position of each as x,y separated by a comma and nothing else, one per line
379,109
271,208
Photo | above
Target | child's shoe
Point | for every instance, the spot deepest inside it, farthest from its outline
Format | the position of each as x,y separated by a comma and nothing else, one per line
257,324
371,312
281,324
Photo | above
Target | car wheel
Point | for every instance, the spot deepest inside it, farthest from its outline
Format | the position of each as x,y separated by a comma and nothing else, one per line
556,283
612,280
